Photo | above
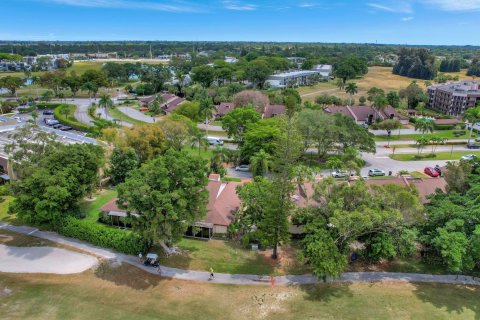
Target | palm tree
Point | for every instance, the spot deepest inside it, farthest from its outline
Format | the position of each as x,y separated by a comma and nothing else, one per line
260,163
379,104
424,125
351,89
206,108
198,139
34,116
472,115
105,102
340,84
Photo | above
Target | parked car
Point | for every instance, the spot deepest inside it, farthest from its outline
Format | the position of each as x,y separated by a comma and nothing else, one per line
438,169
47,112
376,172
215,141
473,146
65,128
431,172
339,174
365,126
57,126
477,139
468,157
242,168
51,122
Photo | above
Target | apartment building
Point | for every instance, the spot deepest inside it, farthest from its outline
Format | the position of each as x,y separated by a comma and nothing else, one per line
454,98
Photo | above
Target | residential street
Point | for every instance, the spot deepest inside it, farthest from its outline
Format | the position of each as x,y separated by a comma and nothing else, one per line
81,114
135,114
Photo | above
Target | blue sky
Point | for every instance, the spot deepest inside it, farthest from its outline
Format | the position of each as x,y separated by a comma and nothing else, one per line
449,22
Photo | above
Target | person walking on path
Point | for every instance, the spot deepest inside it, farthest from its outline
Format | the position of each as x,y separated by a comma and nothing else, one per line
140,257
212,276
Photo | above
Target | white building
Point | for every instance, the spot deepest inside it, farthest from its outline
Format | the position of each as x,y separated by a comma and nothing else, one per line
325,70
294,78
231,60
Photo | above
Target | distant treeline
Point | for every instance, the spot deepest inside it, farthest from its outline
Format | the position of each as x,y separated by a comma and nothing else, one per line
139,49
415,63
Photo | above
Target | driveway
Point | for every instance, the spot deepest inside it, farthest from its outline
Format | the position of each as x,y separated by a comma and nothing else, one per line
43,260
135,114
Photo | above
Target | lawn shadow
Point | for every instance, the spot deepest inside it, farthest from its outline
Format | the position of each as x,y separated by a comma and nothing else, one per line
456,299
325,292
126,275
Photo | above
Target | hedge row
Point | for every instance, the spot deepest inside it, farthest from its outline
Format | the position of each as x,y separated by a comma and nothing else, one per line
101,235
69,120
48,105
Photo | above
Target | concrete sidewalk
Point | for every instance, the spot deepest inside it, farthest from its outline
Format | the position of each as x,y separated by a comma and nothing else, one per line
240,279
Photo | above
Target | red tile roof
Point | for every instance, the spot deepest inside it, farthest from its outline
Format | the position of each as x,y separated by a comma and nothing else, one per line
224,108
223,202
447,122
274,110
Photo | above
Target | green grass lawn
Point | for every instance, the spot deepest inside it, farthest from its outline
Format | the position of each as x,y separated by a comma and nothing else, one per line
441,133
117,114
229,257
125,293
91,209
456,155
4,215
204,153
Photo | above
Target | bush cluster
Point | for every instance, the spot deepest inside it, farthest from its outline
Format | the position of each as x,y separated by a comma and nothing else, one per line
101,235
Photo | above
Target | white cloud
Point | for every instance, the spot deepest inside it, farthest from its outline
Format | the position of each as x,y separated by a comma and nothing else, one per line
306,5
407,18
392,6
238,6
455,5
176,6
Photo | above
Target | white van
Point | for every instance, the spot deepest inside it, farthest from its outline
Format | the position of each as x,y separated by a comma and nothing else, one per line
213,141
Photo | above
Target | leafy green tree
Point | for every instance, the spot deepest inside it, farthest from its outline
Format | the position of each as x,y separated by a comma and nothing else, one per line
11,84
122,161
217,160
414,95
54,186
393,99
260,135
198,139
472,115
155,76
323,254
350,68
236,122
166,196
191,110
205,75
176,129
91,88
416,63
452,243
380,246
257,72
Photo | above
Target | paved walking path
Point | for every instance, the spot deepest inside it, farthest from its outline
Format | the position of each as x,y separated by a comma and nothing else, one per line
240,279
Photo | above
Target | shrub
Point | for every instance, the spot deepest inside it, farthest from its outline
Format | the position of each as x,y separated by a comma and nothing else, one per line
69,120
48,105
101,235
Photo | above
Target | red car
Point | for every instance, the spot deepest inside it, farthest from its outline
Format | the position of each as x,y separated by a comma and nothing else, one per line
431,172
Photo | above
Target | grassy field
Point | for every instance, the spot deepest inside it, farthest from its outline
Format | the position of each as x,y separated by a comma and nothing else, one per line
440,133
117,114
129,293
230,257
380,77
456,155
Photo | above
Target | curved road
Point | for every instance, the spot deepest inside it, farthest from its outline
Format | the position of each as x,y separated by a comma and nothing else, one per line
81,113
240,279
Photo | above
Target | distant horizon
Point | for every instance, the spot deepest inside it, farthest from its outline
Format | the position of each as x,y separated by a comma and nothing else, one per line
394,22
242,41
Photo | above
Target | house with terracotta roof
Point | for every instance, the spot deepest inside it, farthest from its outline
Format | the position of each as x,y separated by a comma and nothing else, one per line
273,111
169,104
367,114
223,108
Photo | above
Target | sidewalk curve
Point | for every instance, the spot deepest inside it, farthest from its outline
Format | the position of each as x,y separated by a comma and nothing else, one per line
240,279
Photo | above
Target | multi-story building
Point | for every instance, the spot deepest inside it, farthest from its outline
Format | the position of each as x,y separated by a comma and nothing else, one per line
294,78
455,97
